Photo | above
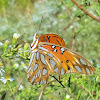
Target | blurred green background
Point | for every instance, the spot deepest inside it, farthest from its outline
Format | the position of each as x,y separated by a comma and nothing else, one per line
61,17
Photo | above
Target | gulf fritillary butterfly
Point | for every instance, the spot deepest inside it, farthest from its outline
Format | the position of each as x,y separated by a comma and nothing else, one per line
50,56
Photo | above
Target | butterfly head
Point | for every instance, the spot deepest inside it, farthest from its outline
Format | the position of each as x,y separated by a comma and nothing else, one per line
34,44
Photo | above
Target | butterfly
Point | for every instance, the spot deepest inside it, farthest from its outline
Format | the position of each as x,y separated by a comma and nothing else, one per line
50,56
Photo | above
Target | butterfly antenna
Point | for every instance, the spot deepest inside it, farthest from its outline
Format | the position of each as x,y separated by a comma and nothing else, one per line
33,22
40,24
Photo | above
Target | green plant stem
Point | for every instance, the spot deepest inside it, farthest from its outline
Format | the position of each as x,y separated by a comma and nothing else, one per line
9,87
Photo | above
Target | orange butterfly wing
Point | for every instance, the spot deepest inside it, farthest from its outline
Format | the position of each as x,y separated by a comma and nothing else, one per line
53,57
71,61
52,38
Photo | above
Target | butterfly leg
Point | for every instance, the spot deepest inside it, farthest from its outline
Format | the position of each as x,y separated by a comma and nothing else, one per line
69,81
59,77
58,81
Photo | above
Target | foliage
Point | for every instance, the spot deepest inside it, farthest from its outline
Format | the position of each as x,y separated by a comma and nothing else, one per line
17,25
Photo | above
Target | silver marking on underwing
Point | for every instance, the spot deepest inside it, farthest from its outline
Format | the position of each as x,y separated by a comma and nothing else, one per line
44,71
82,62
50,55
42,48
45,82
55,50
31,59
56,70
62,71
39,71
70,70
90,66
37,83
35,67
37,56
41,82
32,79
87,70
28,75
78,68
29,69
53,46
52,63
42,59
91,72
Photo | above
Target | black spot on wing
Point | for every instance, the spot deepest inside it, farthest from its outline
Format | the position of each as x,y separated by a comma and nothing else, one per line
43,38
48,38
67,61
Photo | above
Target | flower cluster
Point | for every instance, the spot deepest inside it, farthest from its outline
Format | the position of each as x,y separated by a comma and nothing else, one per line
5,79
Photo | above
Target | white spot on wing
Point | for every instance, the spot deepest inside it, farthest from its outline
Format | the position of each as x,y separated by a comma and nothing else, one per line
41,82
53,46
70,70
87,70
62,71
42,59
31,59
29,69
82,62
56,70
37,83
52,63
78,68
32,79
37,55
50,55
45,81
28,75
42,48
62,50
55,50
38,73
44,71
35,67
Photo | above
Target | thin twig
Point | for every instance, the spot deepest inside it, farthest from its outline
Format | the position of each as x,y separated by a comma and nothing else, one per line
92,16
44,89
84,88
51,82
71,23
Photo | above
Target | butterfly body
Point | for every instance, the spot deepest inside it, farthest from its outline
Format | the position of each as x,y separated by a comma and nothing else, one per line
50,56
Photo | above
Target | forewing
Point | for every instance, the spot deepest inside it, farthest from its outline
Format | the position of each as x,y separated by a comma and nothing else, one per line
70,61
52,38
